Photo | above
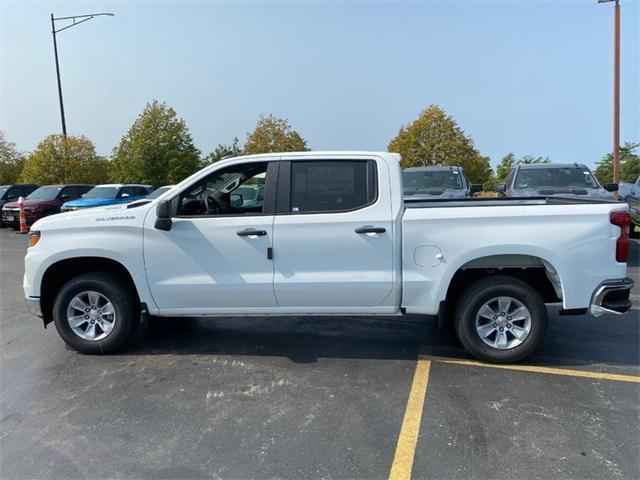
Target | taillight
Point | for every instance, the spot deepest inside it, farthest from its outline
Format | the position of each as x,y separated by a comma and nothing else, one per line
622,220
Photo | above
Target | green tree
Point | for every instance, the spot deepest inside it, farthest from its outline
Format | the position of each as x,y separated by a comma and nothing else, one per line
59,159
157,149
435,138
509,161
629,165
274,134
11,161
222,150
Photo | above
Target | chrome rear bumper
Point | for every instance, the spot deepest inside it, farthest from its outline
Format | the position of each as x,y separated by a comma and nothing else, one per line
612,296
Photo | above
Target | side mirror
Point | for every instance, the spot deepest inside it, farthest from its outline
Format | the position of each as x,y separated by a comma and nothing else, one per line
125,195
163,216
611,187
475,188
236,200
500,187
65,196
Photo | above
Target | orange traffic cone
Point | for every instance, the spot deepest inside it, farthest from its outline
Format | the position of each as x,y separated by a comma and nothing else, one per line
23,218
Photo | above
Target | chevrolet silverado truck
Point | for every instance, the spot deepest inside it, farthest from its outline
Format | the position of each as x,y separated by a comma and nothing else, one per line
333,235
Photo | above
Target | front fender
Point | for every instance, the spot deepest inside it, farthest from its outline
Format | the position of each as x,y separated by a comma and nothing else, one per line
121,243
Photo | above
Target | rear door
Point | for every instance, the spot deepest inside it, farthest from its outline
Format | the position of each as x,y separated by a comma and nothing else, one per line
333,236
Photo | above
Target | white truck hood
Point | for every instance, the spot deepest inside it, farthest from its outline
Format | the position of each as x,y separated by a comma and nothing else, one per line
91,217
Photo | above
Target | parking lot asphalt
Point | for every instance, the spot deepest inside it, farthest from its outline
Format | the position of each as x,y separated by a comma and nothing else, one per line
328,397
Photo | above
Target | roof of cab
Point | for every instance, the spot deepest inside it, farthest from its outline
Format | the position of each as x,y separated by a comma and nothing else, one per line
323,153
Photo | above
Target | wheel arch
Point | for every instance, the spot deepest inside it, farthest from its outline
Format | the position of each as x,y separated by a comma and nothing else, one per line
535,270
61,271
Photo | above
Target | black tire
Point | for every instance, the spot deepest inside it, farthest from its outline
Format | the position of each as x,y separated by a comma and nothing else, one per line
127,312
482,291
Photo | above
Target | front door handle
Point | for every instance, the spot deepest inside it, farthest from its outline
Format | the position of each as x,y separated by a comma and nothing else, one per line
249,232
370,229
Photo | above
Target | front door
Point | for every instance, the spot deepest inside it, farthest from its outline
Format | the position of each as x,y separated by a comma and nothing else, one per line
215,258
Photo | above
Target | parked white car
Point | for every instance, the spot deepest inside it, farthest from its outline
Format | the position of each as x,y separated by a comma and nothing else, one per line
332,236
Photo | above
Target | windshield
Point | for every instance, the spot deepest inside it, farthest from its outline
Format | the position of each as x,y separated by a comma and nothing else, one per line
102,192
431,179
157,192
555,178
3,190
44,193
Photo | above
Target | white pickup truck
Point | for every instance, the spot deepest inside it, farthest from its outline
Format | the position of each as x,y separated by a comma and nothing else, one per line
327,234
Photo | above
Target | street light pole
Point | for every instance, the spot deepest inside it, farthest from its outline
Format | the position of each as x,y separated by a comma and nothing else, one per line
75,21
55,51
616,89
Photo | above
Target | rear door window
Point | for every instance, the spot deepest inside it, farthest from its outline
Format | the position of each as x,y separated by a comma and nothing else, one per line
332,186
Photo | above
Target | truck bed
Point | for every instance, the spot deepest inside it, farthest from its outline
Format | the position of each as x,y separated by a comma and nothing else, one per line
558,233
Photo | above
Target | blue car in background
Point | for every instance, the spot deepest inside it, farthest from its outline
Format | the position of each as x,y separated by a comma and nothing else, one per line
109,194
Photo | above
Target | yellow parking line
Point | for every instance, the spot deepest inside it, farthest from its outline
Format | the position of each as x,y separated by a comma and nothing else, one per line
408,438
534,369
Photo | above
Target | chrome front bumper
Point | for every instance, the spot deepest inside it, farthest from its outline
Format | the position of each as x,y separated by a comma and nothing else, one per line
612,296
34,306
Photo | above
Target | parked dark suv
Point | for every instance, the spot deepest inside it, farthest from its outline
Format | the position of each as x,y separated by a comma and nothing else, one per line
554,179
44,201
11,193
433,183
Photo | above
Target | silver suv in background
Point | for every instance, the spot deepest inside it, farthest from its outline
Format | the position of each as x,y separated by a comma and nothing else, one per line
433,183
554,179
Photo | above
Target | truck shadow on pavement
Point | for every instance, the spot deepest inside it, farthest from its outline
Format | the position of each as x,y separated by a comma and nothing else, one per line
571,341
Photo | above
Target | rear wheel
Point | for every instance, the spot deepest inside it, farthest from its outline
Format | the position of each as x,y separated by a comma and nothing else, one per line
501,319
95,313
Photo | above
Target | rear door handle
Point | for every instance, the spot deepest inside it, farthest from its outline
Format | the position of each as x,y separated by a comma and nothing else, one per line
249,232
370,229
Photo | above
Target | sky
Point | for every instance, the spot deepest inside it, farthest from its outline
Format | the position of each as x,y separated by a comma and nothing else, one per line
528,77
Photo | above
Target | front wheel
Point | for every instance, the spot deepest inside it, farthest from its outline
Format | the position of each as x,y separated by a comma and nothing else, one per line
501,319
95,313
